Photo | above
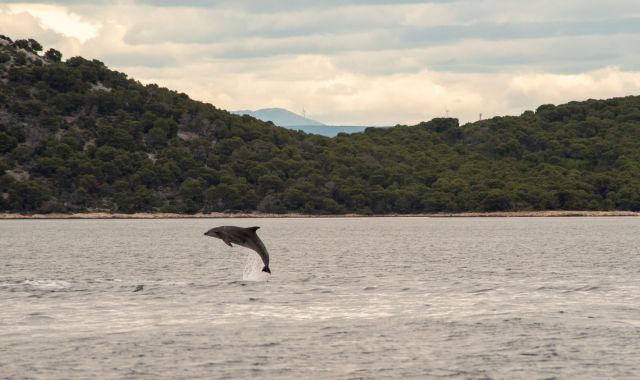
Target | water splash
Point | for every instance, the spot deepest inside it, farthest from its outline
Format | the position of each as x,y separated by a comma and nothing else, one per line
253,269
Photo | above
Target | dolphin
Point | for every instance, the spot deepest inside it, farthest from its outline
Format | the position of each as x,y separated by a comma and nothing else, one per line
244,237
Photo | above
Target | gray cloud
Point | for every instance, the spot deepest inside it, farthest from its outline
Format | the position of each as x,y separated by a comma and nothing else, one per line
251,5
212,25
142,59
509,31
232,33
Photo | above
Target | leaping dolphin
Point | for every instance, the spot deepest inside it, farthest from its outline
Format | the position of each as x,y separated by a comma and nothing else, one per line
244,237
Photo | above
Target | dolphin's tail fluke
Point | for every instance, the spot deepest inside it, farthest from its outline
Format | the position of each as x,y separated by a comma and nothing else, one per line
266,269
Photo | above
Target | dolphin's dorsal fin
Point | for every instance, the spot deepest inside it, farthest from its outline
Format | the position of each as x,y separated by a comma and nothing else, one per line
254,229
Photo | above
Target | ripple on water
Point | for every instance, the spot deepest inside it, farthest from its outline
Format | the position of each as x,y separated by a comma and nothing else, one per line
390,298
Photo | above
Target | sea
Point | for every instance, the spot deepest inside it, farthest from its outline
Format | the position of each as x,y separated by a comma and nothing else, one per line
348,298
330,130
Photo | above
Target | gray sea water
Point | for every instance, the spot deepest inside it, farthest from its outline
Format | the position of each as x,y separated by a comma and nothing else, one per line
349,298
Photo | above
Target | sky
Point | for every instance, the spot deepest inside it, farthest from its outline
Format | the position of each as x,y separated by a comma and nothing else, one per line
354,62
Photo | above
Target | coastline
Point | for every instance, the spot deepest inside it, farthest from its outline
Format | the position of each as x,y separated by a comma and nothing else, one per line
221,215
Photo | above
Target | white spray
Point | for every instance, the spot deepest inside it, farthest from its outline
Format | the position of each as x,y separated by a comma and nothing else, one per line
253,269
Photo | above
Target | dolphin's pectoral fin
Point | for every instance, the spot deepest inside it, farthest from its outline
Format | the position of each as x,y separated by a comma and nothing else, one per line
227,242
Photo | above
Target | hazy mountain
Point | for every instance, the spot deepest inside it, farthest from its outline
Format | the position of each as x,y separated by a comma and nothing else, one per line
287,119
280,117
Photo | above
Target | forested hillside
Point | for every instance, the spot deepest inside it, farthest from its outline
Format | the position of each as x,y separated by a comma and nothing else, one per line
76,136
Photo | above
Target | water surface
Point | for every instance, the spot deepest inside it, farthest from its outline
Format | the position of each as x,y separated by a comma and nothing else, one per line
349,298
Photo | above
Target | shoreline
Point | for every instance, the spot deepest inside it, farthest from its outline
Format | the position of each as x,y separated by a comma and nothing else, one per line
221,215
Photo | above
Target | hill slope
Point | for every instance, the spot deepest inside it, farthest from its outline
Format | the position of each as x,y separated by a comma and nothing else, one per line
77,136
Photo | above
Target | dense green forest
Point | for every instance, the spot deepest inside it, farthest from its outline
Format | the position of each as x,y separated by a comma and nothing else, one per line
76,136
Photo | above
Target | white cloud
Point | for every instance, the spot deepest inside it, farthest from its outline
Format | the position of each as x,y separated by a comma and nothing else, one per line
333,95
58,19
556,88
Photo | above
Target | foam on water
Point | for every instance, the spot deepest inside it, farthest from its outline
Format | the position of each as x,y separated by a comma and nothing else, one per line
253,269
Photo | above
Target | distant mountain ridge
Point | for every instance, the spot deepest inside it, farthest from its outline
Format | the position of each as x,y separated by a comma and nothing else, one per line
290,120
280,117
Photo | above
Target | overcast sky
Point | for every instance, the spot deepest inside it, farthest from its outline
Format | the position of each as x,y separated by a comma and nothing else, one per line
354,62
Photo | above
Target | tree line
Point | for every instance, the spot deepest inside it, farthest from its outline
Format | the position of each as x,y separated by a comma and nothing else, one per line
76,136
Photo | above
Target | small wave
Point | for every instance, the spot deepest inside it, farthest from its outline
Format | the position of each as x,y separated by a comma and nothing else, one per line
39,316
482,290
101,280
321,290
46,284
269,344
585,288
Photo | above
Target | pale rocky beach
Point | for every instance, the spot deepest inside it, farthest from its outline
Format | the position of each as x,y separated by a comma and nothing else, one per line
215,215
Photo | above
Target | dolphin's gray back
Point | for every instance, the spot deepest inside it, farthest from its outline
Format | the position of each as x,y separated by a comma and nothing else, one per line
247,237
